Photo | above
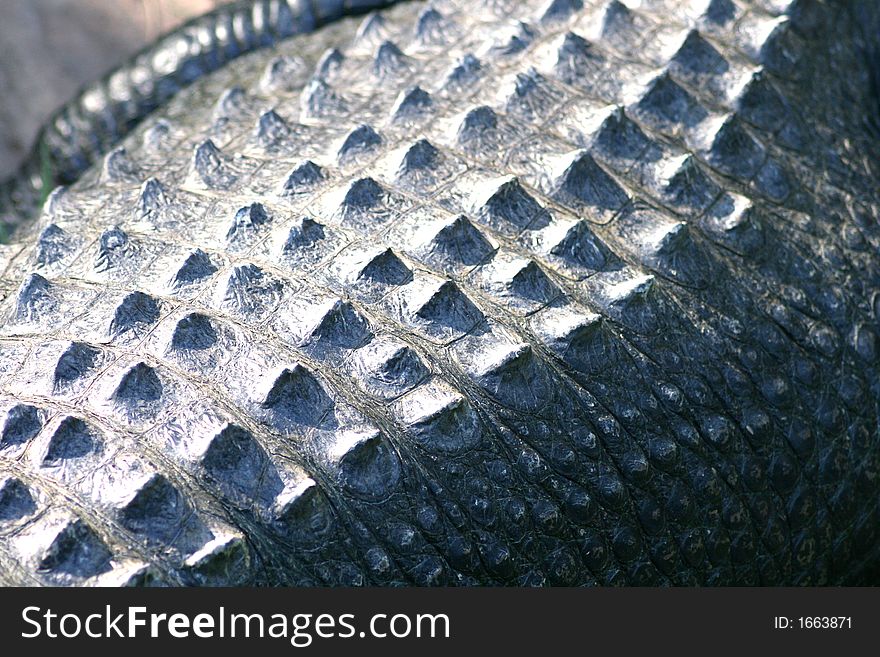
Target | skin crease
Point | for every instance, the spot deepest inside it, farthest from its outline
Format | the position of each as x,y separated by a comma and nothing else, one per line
469,301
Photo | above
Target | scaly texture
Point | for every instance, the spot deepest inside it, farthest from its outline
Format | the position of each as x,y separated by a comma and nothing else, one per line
88,126
494,292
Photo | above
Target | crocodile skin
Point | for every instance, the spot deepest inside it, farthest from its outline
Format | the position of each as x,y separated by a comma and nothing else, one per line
90,124
485,292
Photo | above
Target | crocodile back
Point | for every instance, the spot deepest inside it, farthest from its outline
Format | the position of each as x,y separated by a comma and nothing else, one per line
487,292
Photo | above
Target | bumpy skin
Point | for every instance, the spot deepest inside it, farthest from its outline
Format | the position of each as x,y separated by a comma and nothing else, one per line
103,112
498,292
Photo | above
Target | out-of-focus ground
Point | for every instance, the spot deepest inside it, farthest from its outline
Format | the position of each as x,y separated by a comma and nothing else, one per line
50,48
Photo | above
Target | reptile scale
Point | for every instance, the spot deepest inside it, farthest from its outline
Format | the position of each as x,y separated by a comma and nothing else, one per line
468,292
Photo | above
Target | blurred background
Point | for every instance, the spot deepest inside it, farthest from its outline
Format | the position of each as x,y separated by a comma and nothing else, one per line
50,48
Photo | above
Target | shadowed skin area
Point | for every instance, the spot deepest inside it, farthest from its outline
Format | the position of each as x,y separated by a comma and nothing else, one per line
517,293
